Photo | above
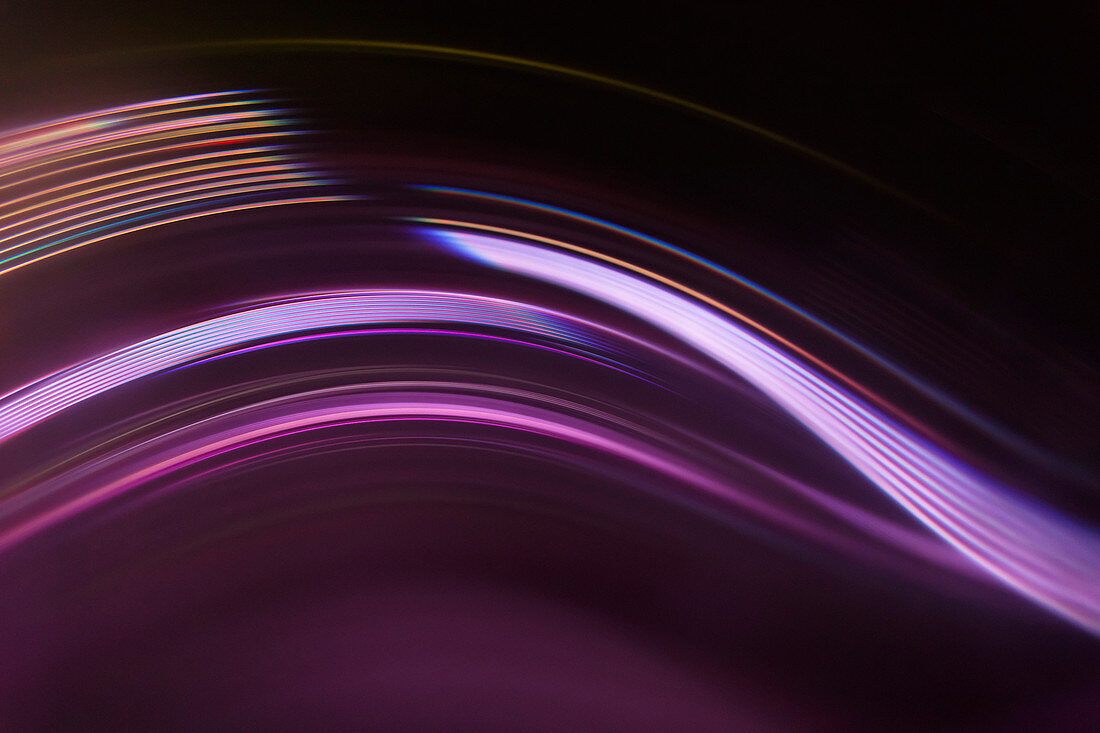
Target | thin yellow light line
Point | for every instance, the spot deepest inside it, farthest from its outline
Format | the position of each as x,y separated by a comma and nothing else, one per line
369,46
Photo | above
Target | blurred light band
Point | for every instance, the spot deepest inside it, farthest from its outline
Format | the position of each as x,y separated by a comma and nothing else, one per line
1043,555
940,396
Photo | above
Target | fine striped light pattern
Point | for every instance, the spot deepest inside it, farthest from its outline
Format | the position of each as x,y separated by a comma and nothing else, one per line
85,179
28,405
1041,554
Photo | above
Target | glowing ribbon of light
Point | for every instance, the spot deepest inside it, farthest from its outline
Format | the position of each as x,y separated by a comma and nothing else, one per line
32,403
1041,554
941,397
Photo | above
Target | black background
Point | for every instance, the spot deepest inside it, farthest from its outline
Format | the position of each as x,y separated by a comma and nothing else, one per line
984,113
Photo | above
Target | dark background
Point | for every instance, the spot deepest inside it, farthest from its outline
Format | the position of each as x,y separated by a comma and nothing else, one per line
984,113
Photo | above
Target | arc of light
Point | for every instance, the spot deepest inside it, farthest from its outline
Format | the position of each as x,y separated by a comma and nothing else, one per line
252,425
38,133
32,403
223,184
221,164
67,148
194,196
939,395
234,208
1042,555
240,130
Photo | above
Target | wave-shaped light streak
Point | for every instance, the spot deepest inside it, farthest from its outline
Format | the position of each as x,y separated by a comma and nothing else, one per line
1043,555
